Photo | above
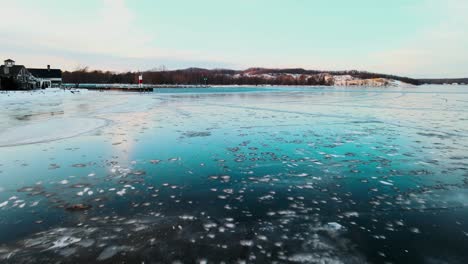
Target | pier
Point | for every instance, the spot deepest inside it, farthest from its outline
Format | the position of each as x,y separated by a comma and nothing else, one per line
121,89
129,87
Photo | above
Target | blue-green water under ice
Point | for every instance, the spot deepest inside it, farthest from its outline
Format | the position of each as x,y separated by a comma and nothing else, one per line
253,175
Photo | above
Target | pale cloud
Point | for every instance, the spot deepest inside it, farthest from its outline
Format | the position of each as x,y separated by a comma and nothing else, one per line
108,37
437,51
111,32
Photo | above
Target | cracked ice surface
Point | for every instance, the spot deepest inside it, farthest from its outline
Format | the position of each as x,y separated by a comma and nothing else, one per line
255,175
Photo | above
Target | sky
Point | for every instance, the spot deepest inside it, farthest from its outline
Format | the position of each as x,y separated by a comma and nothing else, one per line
415,38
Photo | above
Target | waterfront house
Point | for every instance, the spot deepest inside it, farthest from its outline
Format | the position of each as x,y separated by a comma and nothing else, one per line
15,77
47,77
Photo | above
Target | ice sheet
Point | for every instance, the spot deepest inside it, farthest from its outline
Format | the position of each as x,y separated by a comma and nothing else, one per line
249,175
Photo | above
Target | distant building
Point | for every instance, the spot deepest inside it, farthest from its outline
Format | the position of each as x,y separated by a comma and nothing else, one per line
47,77
15,77
18,77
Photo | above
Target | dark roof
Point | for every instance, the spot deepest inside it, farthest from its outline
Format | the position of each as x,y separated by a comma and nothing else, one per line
45,73
9,60
14,70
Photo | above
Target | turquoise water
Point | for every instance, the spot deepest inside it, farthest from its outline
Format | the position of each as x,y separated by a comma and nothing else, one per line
237,174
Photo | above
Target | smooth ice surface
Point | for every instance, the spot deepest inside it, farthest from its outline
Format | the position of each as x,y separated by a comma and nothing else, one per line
48,130
236,174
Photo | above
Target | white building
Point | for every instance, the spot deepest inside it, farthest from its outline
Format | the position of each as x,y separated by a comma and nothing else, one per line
47,77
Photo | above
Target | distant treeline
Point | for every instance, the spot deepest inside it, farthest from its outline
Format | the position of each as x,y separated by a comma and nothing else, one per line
444,81
252,76
192,76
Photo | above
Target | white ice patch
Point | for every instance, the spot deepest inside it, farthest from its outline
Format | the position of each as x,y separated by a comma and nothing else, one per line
386,183
334,226
351,214
64,242
110,251
246,243
266,197
313,258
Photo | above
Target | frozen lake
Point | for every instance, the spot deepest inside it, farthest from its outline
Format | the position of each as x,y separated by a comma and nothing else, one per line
253,175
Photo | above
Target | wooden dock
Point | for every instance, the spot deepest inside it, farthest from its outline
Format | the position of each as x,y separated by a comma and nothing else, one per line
127,87
121,89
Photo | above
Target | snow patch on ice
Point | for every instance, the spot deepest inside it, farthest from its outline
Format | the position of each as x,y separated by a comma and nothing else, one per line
64,242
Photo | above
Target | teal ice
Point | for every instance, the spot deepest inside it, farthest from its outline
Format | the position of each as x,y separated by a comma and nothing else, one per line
235,174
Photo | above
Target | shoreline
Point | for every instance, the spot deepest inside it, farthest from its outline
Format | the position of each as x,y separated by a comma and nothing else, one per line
151,88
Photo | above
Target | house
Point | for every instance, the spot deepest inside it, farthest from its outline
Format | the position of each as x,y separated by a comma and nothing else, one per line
15,77
47,77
